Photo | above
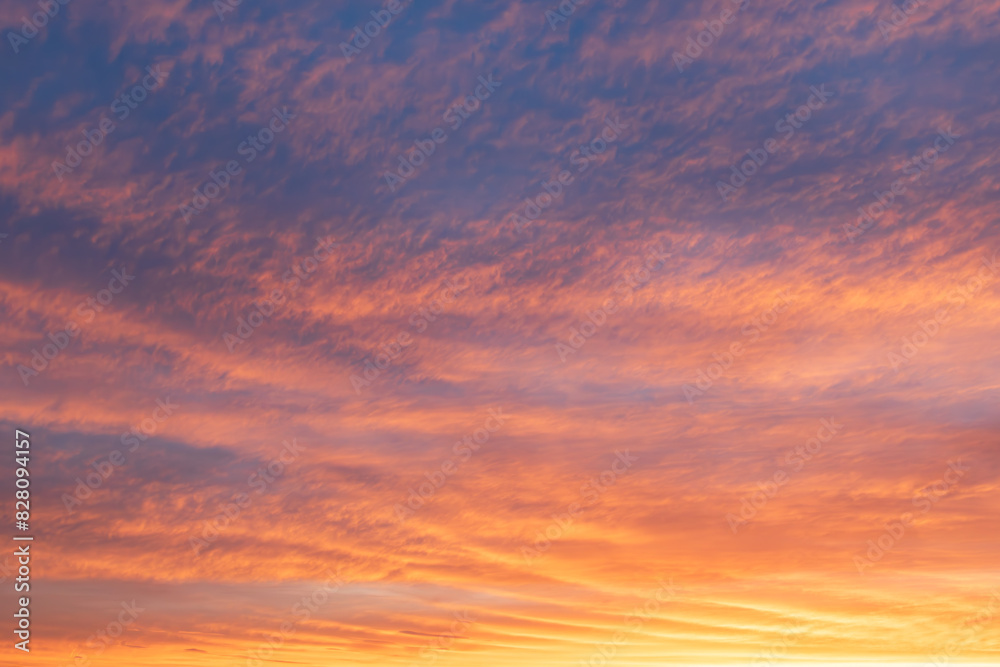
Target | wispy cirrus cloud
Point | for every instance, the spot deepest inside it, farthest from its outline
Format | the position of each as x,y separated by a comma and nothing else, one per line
512,297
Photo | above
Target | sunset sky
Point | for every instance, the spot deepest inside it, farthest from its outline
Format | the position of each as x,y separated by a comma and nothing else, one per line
630,333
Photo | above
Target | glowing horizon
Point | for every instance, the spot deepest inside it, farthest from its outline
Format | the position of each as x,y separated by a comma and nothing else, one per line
504,334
